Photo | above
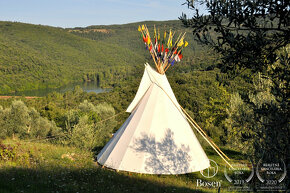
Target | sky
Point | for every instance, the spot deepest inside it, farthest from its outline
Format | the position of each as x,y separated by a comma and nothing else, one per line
82,13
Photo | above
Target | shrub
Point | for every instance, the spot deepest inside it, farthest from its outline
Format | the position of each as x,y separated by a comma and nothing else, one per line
40,126
7,152
18,119
104,129
24,122
105,110
87,107
83,134
86,129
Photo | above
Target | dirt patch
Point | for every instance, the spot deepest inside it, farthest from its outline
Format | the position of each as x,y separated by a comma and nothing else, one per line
106,31
27,97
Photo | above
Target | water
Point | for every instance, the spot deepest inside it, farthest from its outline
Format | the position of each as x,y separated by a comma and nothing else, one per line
87,87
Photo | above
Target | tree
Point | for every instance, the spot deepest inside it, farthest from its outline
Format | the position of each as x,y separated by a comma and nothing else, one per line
251,36
18,119
246,33
83,134
23,122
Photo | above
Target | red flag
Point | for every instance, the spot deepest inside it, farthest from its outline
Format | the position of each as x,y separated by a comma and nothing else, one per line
166,50
180,56
145,39
162,48
158,47
150,48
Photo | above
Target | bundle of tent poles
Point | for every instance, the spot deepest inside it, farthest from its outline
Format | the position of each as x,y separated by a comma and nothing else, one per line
163,52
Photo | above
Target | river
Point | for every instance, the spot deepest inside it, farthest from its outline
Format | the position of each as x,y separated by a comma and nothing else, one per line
87,87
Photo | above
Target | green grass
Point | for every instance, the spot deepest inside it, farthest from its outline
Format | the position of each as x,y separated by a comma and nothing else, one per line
43,167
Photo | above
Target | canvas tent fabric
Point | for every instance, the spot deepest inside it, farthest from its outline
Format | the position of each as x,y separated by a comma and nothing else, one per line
156,138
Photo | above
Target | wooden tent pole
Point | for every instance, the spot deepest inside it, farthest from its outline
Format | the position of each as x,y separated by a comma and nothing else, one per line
156,63
167,67
188,117
204,133
209,142
153,56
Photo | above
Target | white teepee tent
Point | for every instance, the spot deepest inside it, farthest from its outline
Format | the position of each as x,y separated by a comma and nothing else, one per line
156,138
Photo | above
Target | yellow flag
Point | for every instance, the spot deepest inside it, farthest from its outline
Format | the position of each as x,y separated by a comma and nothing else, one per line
180,43
169,42
149,41
155,34
185,43
164,35
143,27
158,35
139,28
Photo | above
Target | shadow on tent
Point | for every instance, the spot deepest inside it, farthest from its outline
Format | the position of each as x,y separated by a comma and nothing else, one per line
164,156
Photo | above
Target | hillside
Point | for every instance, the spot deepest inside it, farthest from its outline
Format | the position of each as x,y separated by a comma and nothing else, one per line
35,56
126,35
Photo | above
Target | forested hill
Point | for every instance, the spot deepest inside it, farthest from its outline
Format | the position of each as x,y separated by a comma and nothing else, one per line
127,36
36,56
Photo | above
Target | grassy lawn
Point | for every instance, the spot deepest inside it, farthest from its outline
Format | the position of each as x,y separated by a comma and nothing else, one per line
43,167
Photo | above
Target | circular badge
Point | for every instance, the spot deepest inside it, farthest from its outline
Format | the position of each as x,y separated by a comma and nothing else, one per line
240,175
271,174
211,171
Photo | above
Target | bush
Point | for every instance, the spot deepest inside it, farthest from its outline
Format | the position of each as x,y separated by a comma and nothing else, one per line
83,134
18,119
7,152
87,107
105,110
40,126
105,129
3,118
23,122
85,127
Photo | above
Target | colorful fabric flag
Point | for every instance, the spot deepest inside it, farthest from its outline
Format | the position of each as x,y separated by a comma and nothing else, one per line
176,58
164,51
180,43
169,42
148,41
